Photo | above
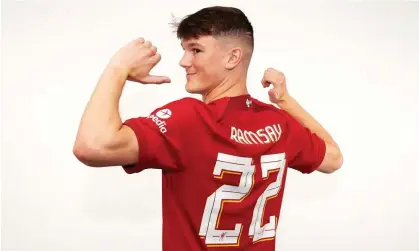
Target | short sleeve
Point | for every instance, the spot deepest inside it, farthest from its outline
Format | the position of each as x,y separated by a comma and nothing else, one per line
159,136
308,149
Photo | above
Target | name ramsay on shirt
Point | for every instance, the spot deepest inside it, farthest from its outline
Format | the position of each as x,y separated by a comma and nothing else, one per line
267,135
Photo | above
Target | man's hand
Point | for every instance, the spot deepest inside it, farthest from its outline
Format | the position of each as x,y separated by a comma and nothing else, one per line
136,59
279,92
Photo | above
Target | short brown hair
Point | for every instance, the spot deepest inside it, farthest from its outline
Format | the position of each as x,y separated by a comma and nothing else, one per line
216,21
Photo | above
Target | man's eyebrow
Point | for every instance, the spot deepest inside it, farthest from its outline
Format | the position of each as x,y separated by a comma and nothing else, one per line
191,44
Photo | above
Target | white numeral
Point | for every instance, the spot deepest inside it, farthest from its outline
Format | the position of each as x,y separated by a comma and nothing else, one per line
269,163
227,193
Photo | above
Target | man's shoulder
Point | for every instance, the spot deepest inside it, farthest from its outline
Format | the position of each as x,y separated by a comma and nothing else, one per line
184,106
273,111
267,107
184,103
177,111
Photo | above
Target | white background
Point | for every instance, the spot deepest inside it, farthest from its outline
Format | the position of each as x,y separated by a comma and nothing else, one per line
354,66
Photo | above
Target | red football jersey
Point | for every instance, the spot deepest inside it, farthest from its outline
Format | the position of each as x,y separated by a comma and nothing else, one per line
224,168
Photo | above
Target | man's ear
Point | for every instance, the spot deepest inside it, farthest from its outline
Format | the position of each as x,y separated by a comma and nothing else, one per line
235,55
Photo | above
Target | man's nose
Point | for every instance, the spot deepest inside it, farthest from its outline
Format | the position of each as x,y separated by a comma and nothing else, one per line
186,61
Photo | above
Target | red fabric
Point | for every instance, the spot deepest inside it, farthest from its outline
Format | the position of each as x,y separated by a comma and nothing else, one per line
224,169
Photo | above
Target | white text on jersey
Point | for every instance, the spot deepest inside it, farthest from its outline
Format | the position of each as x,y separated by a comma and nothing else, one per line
267,135
160,123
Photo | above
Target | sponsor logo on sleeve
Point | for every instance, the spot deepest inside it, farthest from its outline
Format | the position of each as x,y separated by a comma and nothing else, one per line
159,118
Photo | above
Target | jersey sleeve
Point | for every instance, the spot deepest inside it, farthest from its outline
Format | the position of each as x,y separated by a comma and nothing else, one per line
307,148
160,136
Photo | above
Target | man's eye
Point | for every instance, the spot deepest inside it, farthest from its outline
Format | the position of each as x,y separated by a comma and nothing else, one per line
195,51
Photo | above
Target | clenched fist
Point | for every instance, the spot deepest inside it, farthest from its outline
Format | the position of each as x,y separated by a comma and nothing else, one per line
277,79
136,59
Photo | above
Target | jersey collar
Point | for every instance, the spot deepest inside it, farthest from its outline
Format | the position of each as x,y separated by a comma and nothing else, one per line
226,104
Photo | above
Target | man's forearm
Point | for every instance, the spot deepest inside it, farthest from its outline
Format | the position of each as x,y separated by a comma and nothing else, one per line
291,106
101,118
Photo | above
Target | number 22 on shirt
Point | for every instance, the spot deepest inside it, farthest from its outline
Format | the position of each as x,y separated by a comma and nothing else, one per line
228,193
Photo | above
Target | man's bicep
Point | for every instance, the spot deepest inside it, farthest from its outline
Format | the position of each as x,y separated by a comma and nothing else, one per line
118,149
137,154
128,151
123,149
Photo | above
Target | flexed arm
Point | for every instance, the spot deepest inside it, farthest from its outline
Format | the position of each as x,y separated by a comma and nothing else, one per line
102,139
279,95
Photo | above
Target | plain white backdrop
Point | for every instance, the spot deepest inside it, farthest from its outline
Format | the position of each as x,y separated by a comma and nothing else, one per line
353,66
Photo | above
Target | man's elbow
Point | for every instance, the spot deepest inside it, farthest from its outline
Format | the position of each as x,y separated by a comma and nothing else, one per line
337,164
333,160
87,153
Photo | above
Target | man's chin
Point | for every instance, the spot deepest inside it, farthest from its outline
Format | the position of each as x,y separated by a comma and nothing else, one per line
193,89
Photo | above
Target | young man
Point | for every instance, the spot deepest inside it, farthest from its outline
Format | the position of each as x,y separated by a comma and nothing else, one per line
224,159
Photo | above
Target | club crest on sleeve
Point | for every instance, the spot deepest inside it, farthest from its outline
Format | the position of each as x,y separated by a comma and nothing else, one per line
159,118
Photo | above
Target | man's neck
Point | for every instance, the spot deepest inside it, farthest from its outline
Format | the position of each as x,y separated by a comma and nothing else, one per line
230,87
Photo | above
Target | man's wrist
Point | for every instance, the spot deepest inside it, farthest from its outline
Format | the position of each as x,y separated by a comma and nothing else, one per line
117,71
286,103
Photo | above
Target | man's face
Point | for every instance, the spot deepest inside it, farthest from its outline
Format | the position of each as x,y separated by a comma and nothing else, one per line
204,60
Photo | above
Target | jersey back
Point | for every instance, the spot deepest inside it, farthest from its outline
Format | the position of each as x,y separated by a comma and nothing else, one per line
224,168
